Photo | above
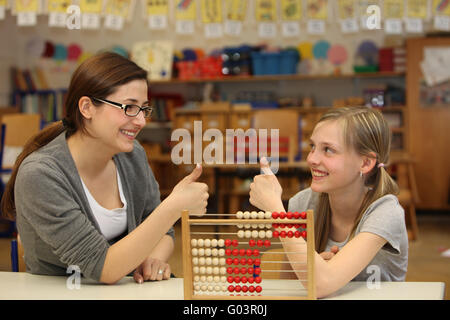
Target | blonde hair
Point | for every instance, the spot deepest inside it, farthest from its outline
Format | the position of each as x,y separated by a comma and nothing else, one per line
367,132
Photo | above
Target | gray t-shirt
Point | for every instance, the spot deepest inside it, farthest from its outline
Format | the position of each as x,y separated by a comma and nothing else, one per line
385,218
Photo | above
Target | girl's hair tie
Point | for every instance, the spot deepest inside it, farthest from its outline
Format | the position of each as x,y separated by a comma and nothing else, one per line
381,164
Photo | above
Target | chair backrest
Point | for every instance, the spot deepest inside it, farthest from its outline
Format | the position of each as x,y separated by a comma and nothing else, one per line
17,256
287,122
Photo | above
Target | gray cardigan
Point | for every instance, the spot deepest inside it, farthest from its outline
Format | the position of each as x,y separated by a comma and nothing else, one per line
54,219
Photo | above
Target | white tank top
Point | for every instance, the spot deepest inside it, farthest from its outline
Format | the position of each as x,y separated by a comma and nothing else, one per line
113,222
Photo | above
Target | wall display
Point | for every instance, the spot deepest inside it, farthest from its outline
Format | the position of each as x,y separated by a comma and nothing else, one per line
157,12
394,13
26,11
266,15
212,18
441,11
236,12
346,13
155,57
57,12
185,15
90,13
3,4
291,14
317,14
117,12
416,12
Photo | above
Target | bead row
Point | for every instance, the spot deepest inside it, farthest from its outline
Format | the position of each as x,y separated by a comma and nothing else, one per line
244,288
209,270
255,234
244,270
253,215
242,252
289,215
243,279
208,261
208,243
207,252
210,279
243,261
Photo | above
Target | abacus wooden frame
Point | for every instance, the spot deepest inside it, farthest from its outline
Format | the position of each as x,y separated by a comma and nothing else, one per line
186,222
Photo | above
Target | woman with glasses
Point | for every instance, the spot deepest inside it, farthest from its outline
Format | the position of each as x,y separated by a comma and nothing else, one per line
82,191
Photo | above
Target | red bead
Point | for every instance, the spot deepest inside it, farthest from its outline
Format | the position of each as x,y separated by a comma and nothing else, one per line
303,215
244,279
257,262
231,288
243,261
237,279
242,252
250,270
229,261
304,234
249,252
251,279
227,242
289,225
237,288
275,215
275,225
251,289
249,261
303,225
282,225
228,252
297,226
289,215
243,270
256,252
267,243
290,234
296,215
236,270
234,243
282,215
251,243
230,279
235,261
258,279
235,252
275,234
230,270
283,234
257,271
259,243
258,289
297,234
244,288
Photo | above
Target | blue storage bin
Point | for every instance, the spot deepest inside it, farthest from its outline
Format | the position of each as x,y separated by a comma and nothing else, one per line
288,62
272,63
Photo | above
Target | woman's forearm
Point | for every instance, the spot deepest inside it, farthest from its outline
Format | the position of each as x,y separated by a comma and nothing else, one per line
128,253
163,249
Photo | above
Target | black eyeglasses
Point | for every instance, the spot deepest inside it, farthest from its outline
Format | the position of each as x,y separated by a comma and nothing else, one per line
131,110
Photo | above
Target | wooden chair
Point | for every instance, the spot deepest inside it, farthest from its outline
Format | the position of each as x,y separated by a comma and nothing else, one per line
287,122
401,167
17,256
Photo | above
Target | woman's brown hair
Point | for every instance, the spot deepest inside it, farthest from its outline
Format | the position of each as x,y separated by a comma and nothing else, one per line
99,76
367,132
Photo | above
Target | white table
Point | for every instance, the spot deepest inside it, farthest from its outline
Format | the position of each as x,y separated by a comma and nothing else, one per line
21,285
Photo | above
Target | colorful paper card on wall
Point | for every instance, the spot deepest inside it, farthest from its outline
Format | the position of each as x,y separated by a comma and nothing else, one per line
3,4
59,6
91,9
317,9
291,10
211,11
393,9
266,10
185,10
121,8
154,56
441,7
236,10
26,11
157,12
346,9
417,9
91,6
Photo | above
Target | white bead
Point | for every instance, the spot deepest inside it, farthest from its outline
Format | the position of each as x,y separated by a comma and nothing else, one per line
246,215
216,270
203,278
222,261
194,242
214,243
221,252
254,234
269,234
195,260
261,225
200,242
240,233
196,269
202,270
268,226
247,226
223,278
254,214
197,287
208,270
201,261
209,278
262,234
254,225
240,225
194,251
217,288
248,234
261,215
215,252
208,261
203,287
196,278
201,252
216,279
221,242
207,252
223,270
215,261
268,215
207,243
239,214
210,288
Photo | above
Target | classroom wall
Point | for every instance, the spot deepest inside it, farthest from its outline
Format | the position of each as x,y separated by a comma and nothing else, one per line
14,40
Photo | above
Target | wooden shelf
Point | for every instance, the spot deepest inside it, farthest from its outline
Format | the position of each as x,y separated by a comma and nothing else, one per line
290,77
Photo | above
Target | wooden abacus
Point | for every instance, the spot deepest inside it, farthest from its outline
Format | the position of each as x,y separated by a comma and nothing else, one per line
208,262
